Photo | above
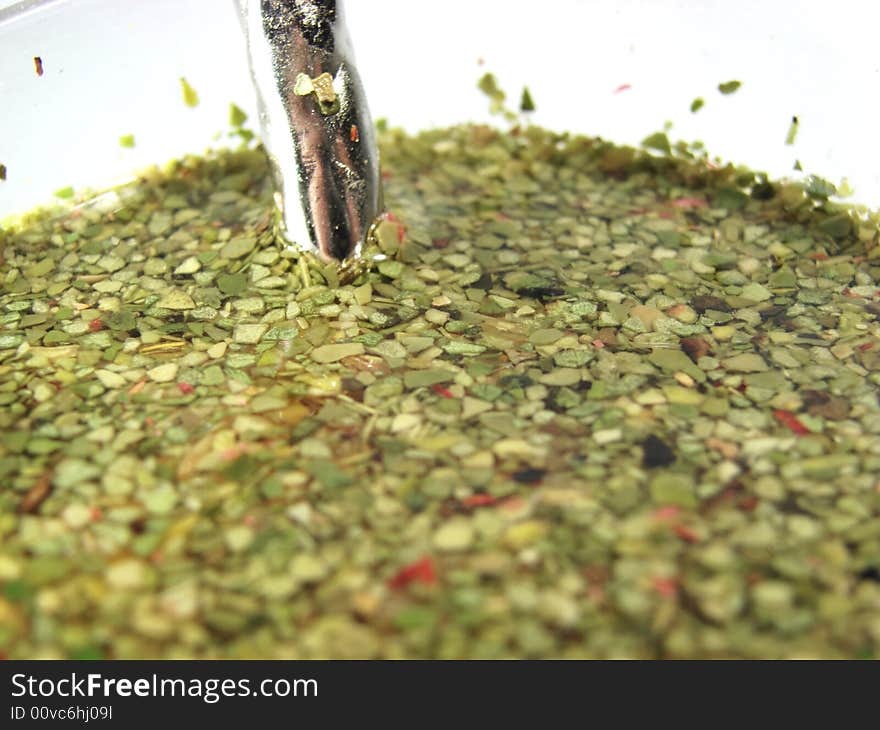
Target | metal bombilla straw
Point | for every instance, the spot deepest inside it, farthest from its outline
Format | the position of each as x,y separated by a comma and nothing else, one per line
315,123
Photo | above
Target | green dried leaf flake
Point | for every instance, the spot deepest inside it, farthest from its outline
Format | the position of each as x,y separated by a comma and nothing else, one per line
459,347
232,284
190,97
426,378
237,116
658,141
488,84
730,199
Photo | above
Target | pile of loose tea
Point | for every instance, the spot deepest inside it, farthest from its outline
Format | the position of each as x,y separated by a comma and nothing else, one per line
582,402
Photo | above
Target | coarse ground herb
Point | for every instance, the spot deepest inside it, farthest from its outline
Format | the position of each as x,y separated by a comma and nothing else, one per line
593,403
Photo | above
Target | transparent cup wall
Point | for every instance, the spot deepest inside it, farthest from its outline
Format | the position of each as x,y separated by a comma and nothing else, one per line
616,69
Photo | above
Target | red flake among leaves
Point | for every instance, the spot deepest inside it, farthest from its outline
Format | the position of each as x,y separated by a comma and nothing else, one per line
667,513
479,500
685,533
666,587
95,325
512,504
95,514
689,203
440,242
137,387
421,571
401,231
790,421
865,346
440,390
598,344
665,214
185,388
622,87
818,256
354,135
233,453
748,503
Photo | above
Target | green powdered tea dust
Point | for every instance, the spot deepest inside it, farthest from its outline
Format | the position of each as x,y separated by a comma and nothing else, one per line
592,404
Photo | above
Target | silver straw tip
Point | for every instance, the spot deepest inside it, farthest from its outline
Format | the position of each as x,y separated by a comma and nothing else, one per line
315,123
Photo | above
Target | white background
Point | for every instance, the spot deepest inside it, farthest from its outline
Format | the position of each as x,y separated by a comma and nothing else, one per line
112,68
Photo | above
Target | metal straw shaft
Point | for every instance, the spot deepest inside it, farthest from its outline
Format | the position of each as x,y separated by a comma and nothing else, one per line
315,123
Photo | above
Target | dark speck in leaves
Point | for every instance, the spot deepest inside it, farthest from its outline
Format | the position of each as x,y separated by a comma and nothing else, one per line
541,293
516,381
763,191
484,282
870,573
529,476
695,347
703,302
656,453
